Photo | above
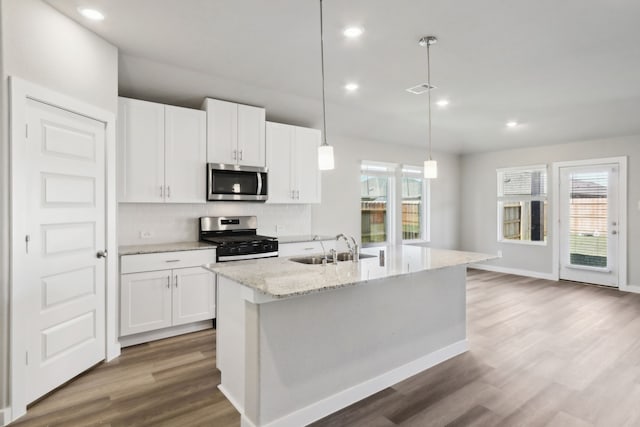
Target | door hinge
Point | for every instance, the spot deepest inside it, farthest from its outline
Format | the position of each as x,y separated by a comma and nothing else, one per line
26,242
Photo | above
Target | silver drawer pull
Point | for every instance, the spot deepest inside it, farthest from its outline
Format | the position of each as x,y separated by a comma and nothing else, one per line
172,260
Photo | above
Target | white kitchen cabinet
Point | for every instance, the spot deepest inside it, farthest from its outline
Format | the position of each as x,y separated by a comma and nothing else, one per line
154,297
194,295
185,155
292,159
235,133
161,153
140,151
145,301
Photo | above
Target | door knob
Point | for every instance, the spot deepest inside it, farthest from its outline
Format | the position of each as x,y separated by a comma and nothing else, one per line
614,232
102,254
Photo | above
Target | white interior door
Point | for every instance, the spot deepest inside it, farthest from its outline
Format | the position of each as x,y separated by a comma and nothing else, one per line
64,282
589,222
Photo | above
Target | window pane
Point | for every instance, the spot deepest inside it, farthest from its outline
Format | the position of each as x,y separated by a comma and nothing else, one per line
522,183
373,208
524,220
412,208
588,217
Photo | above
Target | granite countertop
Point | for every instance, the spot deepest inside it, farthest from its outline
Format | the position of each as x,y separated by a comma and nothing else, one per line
163,247
282,277
304,238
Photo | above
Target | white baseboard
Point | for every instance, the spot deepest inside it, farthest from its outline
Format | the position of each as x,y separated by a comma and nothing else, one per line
631,288
5,416
358,392
113,351
143,337
514,271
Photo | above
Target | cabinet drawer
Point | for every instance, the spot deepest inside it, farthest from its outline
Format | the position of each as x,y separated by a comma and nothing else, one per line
304,248
166,260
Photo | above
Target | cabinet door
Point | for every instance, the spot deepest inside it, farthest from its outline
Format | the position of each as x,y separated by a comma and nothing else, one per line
194,294
251,136
279,161
222,131
140,151
307,181
145,301
185,155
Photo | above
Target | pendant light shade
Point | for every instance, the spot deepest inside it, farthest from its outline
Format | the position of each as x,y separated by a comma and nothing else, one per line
430,165
430,169
325,151
325,157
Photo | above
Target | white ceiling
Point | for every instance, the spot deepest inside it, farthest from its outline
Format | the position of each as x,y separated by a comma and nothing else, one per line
567,70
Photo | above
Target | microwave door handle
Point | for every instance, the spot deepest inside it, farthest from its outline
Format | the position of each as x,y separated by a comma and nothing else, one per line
259,183
210,171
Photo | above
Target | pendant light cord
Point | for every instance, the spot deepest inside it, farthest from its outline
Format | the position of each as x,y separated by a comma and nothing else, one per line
324,104
429,93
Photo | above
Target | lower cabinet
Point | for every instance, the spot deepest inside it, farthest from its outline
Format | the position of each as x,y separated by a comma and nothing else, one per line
152,300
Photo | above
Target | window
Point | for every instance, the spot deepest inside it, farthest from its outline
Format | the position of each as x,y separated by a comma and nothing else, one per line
413,204
376,184
393,203
522,204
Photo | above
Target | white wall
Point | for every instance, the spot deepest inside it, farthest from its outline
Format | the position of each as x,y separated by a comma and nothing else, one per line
44,47
478,218
340,208
179,222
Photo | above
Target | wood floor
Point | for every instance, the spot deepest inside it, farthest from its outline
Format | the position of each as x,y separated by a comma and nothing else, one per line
542,354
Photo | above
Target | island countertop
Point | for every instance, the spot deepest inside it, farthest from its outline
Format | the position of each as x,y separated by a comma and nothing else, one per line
282,277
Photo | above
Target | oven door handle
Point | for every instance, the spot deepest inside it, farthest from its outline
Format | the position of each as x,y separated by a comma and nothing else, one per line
259,183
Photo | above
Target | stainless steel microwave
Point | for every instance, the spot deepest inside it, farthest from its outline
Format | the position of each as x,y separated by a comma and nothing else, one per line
233,182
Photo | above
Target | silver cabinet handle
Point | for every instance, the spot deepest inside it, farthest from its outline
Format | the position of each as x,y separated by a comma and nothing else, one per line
102,254
168,282
172,260
169,191
241,154
176,281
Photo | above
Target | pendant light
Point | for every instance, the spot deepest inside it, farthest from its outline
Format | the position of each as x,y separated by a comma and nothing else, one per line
325,151
430,165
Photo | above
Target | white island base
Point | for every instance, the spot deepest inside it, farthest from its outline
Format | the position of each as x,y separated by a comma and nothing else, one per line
291,361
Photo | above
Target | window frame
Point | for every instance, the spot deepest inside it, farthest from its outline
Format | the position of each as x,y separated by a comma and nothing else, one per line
502,199
425,223
387,170
395,173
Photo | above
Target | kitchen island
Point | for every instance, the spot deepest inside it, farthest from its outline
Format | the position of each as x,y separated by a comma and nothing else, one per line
296,342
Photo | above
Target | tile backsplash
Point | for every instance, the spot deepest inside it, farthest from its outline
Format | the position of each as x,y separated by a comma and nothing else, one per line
166,223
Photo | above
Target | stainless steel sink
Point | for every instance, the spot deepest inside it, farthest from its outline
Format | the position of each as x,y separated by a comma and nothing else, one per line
317,259
348,256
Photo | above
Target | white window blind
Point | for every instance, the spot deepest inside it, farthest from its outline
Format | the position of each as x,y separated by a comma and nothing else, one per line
588,218
522,204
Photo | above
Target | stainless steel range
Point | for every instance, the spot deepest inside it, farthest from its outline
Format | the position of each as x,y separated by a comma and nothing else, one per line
236,238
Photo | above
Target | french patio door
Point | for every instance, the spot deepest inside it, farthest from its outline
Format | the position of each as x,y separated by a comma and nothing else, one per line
589,223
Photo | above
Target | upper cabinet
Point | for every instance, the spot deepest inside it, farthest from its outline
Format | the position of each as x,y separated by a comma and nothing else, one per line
161,153
235,133
292,159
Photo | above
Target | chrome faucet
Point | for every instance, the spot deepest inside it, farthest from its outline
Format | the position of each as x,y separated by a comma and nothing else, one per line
353,250
324,252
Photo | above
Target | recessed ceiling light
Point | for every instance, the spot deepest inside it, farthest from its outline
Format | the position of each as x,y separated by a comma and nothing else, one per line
351,87
353,32
92,14
442,103
512,124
